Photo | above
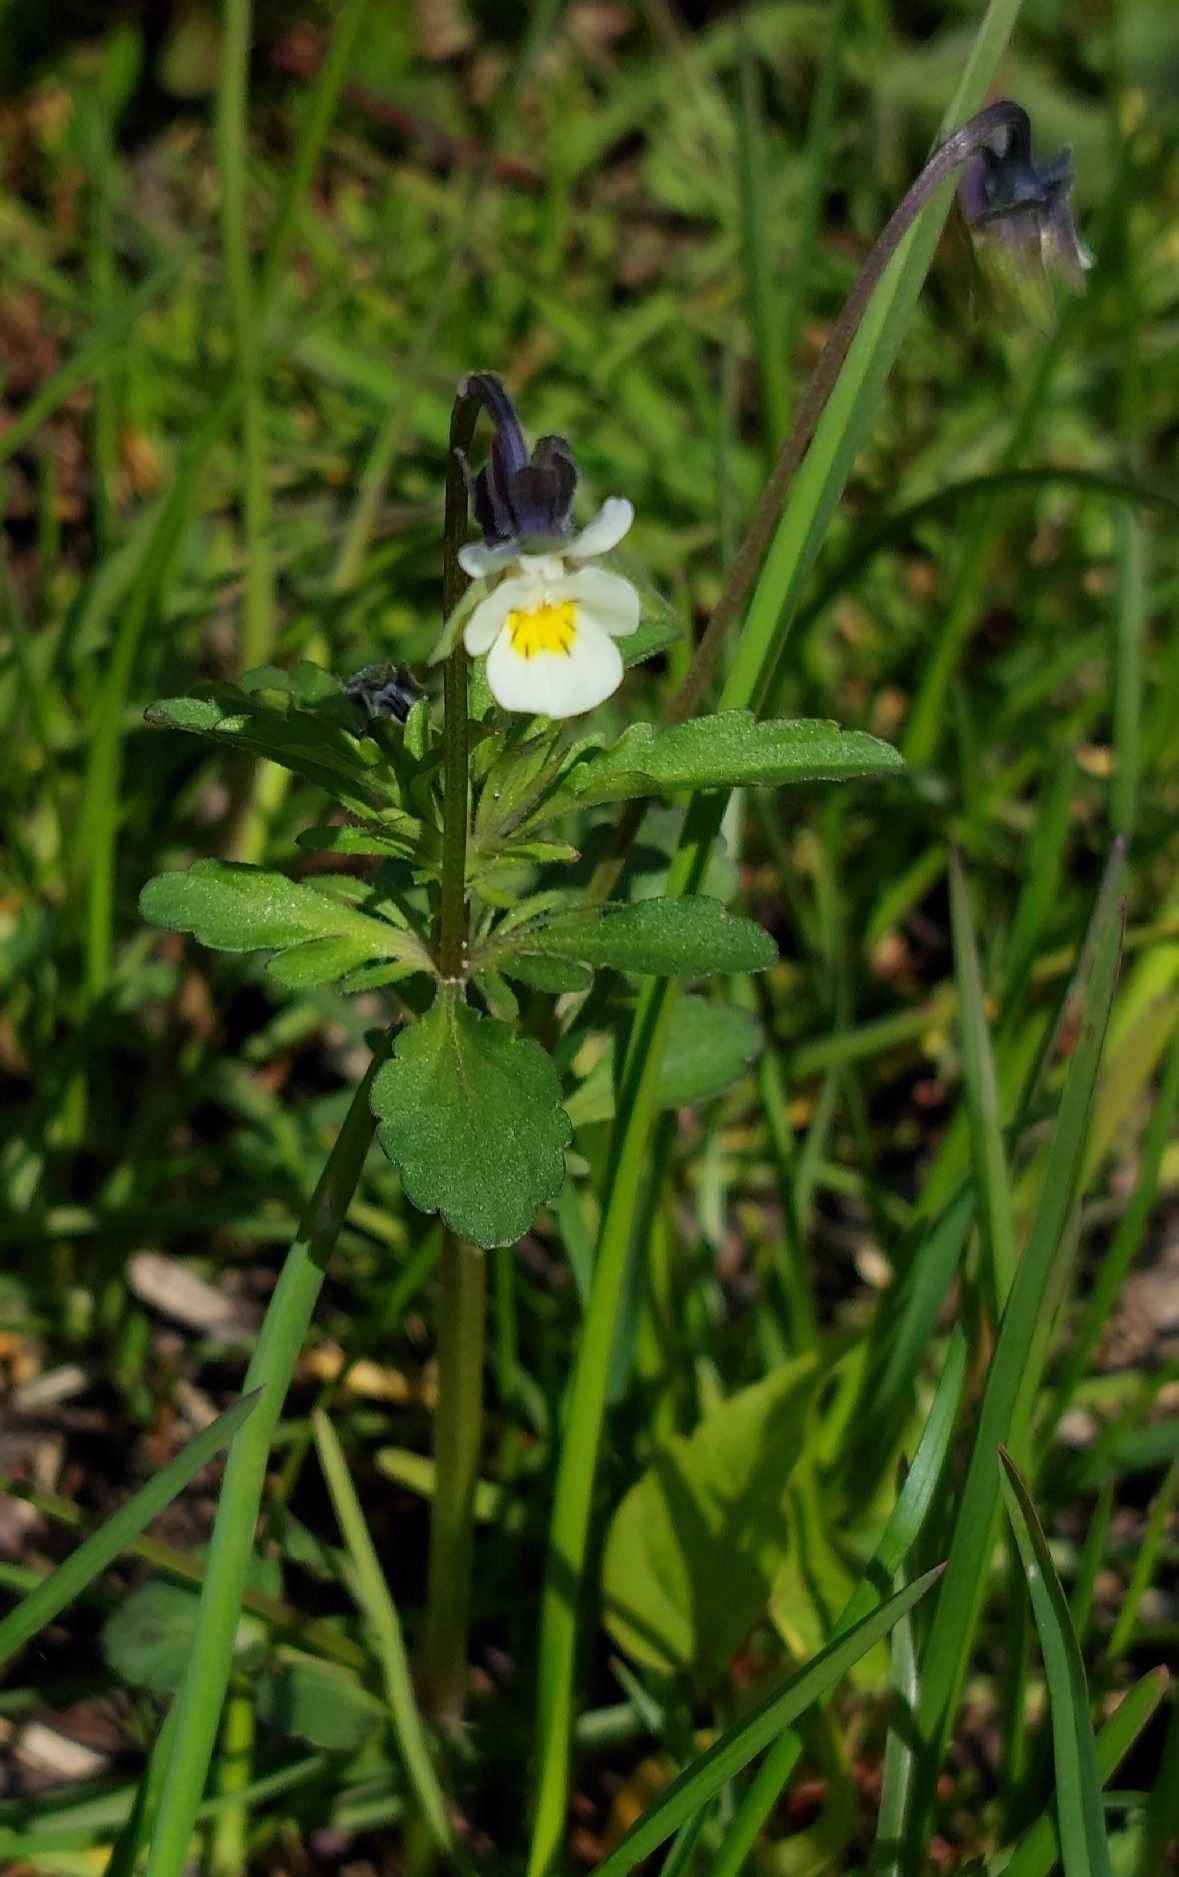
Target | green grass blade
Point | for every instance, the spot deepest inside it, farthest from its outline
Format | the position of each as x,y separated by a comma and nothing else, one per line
135,1834
95,849
1083,1843
992,1180
91,1558
758,1802
628,1179
901,1333
372,1594
1042,877
279,1342
899,1756
679,1858
921,1482
1092,1556
739,1744
792,1262
1130,627
1039,1850
1015,1371
1146,1560
899,1536
1127,1239
1162,1809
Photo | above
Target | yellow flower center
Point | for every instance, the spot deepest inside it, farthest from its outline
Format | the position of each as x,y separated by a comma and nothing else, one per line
548,629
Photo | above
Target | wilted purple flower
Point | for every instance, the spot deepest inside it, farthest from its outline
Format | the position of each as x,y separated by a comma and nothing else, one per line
1008,198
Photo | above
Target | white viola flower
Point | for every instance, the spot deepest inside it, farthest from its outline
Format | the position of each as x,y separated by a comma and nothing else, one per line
549,624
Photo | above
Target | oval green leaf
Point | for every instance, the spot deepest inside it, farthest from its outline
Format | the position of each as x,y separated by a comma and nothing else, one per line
236,908
471,1116
691,937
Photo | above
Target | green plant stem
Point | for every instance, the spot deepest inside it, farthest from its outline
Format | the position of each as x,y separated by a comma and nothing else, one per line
452,920
452,923
281,1337
462,1305
458,1433
229,1836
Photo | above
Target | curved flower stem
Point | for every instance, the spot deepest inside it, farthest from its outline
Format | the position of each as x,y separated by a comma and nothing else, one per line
977,132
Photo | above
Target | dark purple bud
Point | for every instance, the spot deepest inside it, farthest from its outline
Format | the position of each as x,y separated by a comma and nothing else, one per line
1008,198
516,496
384,691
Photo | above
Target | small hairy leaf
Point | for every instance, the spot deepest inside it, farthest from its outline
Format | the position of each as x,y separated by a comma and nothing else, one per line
237,908
328,961
471,1116
515,780
543,973
731,750
399,836
692,936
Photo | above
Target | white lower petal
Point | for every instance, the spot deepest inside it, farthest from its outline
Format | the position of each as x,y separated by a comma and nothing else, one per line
608,600
488,617
556,684
605,531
